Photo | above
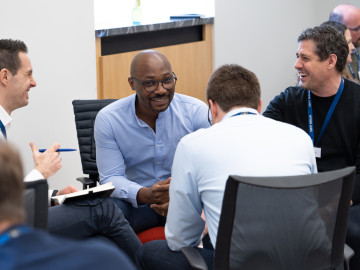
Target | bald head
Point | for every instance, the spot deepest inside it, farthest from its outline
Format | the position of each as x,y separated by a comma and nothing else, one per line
152,78
147,60
350,16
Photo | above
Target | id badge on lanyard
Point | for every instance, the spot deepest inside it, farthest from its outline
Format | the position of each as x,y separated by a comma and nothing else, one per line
317,149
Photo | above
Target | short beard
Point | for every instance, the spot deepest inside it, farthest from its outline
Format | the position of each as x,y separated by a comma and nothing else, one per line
160,96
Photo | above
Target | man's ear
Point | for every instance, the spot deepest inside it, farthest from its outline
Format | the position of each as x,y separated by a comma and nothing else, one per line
131,83
214,110
4,76
259,107
332,61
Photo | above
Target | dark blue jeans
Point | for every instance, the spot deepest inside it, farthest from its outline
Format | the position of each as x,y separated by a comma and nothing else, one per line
140,218
156,255
94,217
353,235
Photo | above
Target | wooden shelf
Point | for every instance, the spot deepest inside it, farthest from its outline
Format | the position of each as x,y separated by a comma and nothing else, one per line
192,62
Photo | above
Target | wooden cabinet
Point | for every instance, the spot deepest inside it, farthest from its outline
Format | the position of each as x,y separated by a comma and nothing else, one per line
192,63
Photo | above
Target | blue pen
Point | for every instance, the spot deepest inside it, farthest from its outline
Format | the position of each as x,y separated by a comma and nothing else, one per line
59,150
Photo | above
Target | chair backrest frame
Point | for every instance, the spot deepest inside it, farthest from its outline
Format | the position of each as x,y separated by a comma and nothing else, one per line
222,250
36,203
85,112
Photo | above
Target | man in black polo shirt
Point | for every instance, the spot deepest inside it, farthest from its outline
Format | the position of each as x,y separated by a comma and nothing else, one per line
327,107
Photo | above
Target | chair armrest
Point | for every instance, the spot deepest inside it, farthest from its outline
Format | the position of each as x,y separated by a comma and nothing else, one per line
195,259
348,253
87,182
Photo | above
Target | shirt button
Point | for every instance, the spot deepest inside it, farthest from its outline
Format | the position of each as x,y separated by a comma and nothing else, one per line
158,162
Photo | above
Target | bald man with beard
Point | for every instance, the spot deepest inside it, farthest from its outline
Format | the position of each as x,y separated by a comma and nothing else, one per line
350,16
136,138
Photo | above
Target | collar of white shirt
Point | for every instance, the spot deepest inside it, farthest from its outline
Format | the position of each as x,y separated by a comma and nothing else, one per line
239,110
5,118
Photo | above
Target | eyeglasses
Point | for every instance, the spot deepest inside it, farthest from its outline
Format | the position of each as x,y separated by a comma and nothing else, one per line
356,29
151,85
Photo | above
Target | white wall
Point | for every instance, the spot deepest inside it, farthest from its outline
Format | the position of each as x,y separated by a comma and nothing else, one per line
111,13
61,42
262,36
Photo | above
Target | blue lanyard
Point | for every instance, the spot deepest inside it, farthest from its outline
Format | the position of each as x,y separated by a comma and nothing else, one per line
13,232
358,65
352,71
242,113
358,61
328,116
3,130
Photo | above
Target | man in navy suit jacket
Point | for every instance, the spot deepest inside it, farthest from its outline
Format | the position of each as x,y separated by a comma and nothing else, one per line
22,247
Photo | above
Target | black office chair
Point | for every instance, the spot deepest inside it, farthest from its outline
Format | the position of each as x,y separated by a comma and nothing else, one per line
295,222
85,113
36,204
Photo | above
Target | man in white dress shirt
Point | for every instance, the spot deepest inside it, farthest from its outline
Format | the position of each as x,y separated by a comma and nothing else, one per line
16,80
242,142
83,219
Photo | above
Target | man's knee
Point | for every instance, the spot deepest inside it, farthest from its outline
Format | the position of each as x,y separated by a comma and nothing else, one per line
155,255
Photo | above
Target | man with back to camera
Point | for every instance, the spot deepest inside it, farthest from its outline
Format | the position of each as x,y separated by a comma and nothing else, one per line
86,217
327,107
136,138
24,248
350,16
242,142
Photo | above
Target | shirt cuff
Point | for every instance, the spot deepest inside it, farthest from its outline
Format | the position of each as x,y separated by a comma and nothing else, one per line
34,175
133,191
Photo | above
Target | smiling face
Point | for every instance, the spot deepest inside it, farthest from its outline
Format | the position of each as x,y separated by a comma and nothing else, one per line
351,46
19,85
151,66
311,71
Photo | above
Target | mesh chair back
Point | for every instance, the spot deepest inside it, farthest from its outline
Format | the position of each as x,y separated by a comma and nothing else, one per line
85,113
36,204
295,222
